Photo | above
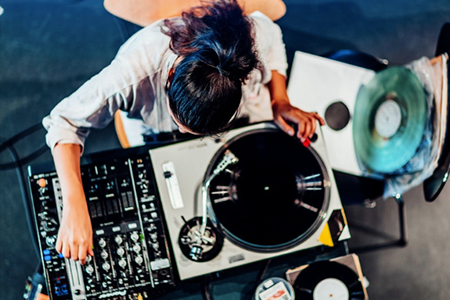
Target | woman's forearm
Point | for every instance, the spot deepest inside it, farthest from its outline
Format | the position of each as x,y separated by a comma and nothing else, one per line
277,88
67,163
75,232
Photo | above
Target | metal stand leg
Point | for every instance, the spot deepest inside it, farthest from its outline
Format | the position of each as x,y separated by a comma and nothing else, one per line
401,242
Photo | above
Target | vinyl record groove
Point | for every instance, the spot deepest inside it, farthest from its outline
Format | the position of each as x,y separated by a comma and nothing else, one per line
274,197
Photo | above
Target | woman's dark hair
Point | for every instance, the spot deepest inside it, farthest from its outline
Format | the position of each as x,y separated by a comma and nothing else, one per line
216,44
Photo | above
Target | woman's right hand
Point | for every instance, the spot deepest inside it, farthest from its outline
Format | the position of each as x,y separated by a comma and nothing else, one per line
75,233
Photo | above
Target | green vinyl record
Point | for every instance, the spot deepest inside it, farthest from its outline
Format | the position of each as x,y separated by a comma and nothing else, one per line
389,119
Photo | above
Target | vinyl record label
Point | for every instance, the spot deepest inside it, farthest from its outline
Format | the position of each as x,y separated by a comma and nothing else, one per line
331,289
388,119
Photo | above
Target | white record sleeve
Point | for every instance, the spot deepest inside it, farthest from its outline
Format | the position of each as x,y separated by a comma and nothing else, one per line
315,83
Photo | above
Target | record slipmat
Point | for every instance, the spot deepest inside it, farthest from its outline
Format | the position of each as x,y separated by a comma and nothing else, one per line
389,119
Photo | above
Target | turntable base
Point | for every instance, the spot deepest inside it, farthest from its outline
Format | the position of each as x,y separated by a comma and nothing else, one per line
244,197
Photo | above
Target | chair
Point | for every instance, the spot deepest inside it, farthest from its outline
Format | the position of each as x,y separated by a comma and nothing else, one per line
433,186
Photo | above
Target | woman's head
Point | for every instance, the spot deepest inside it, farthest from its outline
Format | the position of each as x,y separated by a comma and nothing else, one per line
216,44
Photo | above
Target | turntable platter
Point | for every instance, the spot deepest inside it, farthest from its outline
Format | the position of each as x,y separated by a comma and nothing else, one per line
274,197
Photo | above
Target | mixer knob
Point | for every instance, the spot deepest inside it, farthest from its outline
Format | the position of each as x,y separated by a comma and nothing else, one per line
90,281
104,254
42,182
102,243
134,236
155,246
137,248
151,227
90,269
88,258
120,251
106,266
48,225
50,241
139,260
118,240
122,263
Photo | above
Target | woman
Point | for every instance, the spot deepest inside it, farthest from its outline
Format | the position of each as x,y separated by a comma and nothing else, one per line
196,73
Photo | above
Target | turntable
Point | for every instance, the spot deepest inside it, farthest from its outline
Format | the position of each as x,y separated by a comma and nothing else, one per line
253,194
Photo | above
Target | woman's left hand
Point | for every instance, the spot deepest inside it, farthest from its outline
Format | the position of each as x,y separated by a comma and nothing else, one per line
287,117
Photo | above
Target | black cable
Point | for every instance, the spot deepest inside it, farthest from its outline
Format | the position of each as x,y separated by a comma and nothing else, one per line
18,164
206,287
20,135
27,159
263,271
26,200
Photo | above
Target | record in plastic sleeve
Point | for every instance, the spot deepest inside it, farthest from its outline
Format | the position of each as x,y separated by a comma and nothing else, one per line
389,119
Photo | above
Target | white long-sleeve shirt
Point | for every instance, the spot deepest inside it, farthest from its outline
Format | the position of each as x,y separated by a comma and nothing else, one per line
135,83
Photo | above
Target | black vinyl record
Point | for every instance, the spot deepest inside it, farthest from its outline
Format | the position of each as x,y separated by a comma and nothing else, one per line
274,197
328,280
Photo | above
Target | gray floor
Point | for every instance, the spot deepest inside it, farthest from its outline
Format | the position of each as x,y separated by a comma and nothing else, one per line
49,47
